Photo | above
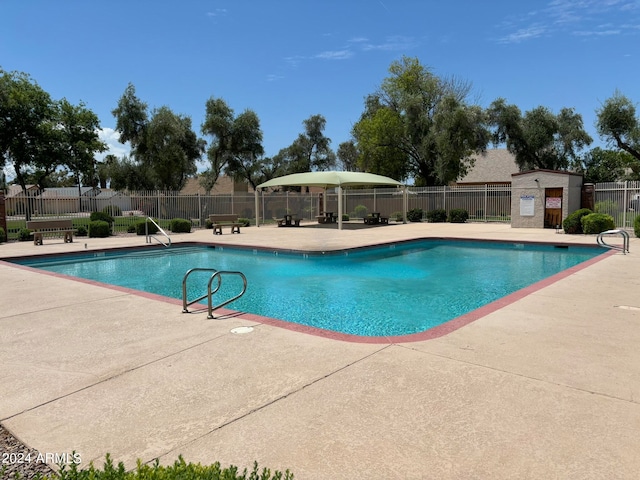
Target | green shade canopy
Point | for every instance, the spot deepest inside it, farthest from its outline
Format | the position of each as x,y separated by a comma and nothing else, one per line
329,180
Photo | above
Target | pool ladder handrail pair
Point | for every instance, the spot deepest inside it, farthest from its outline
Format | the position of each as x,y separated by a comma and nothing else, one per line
149,237
625,240
209,295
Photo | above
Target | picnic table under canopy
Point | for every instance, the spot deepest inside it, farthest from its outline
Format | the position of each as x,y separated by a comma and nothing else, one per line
330,179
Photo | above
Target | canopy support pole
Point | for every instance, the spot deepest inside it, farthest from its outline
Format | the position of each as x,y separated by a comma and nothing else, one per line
257,208
405,204
339,207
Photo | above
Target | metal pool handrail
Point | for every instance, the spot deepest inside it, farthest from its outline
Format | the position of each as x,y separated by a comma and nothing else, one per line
625,240
149,237
209,295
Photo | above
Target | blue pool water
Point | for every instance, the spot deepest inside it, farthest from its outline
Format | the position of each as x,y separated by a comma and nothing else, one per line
384,291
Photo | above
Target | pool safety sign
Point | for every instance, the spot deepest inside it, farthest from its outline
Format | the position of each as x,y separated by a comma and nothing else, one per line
527,208
553,202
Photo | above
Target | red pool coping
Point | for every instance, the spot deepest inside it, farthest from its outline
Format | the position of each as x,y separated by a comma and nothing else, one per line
434,332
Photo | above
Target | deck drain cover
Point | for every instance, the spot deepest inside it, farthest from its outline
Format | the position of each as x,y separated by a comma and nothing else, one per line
241,330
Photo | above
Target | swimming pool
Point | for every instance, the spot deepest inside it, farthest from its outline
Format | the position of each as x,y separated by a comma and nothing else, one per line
389,290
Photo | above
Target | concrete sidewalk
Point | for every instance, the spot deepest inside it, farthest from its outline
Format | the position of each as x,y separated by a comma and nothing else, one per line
545,387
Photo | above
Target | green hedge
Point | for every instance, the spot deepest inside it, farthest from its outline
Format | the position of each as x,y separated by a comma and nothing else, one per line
439,215
360,211
140,228
572,224
102,216
180,225
597,222
24,235
180,470
458,215
415,215
99,229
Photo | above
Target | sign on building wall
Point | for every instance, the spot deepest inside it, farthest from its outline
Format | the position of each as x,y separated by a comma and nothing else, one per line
553,202
527,205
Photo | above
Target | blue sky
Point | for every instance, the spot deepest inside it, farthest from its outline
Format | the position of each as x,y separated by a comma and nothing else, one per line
288,60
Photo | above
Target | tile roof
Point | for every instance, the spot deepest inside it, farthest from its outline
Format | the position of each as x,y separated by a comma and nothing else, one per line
493,166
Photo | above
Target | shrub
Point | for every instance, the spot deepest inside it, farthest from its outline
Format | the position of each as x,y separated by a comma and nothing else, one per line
102,216
415,215
244,221
360,211
180,225
98,229
131,228
208,224
3,236
397,216
458,215
81,231
345,217
140,227
24,235
572,224
180,470
113,210
636,226
438,215
597,222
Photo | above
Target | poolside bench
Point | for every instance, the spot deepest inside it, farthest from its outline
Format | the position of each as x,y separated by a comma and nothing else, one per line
51,227
218,221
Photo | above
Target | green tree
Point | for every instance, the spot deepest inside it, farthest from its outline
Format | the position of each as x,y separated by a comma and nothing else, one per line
131,119
419,125
600,166
172,149
236,144
164,147
539,139
348,155
618,124
28,138
104,169
79,127
39,135
311,151
246,161
128,174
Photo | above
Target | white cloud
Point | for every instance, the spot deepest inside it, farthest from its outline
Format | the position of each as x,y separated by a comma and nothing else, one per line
392,43
523,34
218,12
9,173
580,18
114,147
335,55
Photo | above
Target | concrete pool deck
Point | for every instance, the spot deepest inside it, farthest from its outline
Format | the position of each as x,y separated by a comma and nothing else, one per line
545,387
